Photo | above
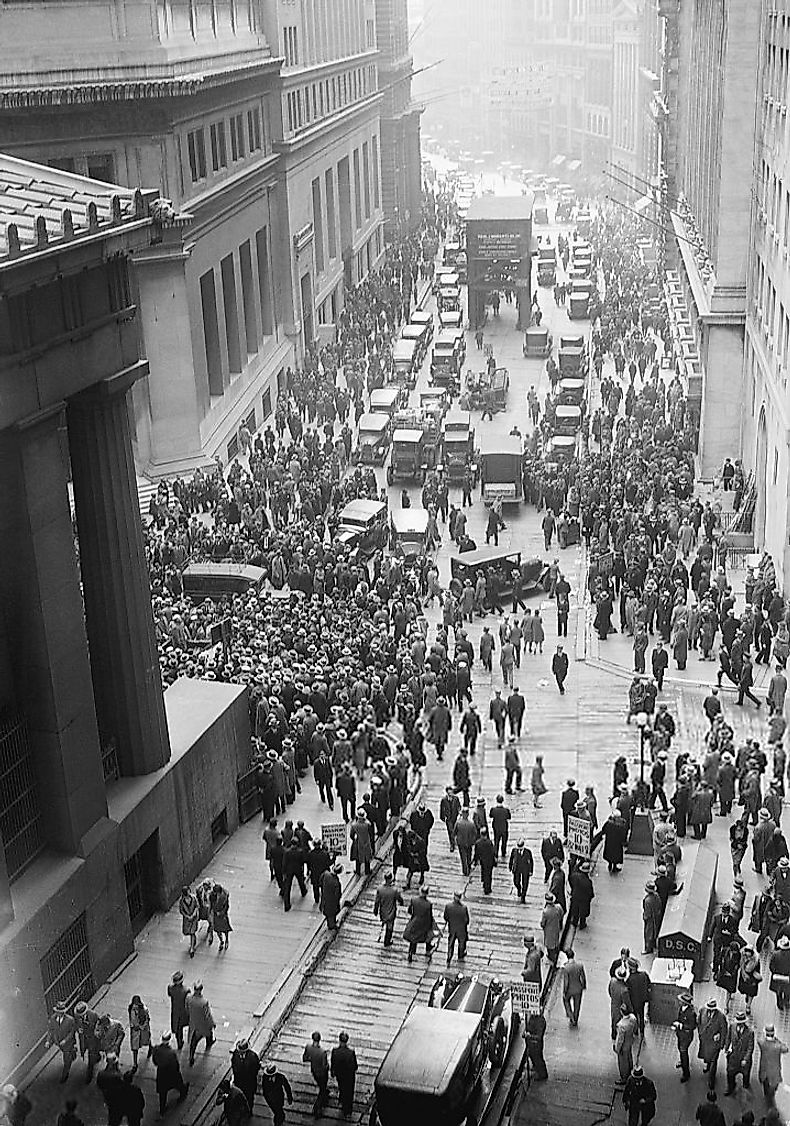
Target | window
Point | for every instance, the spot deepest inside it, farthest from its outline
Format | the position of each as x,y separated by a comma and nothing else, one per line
331,231
208,300
64,163
248,298
196,147
66,971
357,191
254,129
262,250
291,45
219,154
318,227
366,177
375,170
230,306
101,166
266,403
370,34
20,813
237,150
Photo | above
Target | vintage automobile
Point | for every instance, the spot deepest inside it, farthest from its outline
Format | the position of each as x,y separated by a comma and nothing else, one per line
561,448
408,461
373,439
386,400
407,532
405,363
458,453
567,419
440,274
435,400
540,212
451,252
362,526
469,565
218,580
448,299
547,265
538,343
500,460
570,392
420,335
584,223
451,319
579,301
449,351
422,317
448,1055
567,341
571,362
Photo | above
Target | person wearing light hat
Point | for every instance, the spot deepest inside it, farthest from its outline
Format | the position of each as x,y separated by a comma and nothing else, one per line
761,835
179,1017
568,802
684,1027
712,1033
770,1071
781,875
779,967
16,1106
87,1021
639,1097
62,1034
276,1089
739,1052
245,1065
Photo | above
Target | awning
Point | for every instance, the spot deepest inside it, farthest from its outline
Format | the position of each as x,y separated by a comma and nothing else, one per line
642,204
573,166
558,160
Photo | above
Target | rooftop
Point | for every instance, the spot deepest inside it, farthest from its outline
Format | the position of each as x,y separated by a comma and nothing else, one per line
516,208
42,207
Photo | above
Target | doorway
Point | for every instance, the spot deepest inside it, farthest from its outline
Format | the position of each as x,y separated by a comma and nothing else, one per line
306,288
143,875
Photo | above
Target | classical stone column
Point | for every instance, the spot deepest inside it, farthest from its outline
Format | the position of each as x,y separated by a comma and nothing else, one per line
44,633
124,661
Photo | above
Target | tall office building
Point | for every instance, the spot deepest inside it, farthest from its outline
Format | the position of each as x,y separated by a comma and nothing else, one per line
401,162
330,154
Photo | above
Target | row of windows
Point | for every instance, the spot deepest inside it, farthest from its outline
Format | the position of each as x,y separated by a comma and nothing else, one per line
247,136
777,72
97,165
366,199
328,30
291,45
242,289
598,124
772,315
317,100
774,198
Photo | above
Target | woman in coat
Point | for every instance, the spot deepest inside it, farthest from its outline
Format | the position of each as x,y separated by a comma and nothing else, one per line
681,800
619,775
615,835
420,927
139,1028
220,910
416,855
749,976
400,857
189,908
739,839
680,644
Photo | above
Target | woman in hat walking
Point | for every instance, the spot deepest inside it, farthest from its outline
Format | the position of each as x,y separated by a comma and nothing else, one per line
139,1028
189,908
220,915
749,976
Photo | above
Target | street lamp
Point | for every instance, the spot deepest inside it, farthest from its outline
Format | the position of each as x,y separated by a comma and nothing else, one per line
641,838
641,722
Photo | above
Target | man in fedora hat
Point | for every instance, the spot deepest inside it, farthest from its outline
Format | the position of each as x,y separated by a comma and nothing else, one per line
651,916
331,893
316,1056
485,856
245,1065
276,1090
87,1021
385,906
684,1027
168,1072
420,927
712,1034
179,1016
62,1034
456,915
739,1052
770,1072
343,1068
639,1098
781,879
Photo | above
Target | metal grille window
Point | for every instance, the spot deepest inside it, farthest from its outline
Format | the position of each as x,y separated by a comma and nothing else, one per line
66,967
20,813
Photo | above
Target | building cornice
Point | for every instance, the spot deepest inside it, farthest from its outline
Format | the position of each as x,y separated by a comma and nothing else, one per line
327,125
50,91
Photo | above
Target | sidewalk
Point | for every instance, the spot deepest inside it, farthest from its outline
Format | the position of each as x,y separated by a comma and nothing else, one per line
239,984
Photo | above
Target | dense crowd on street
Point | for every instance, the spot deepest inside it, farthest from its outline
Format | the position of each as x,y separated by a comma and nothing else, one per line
350,689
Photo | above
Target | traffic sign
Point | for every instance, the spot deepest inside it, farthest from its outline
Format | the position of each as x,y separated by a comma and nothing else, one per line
579,836
335,838
526,996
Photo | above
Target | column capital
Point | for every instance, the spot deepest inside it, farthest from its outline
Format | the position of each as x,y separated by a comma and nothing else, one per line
112,387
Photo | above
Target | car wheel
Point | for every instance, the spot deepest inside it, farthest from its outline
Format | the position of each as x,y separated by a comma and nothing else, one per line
498,1049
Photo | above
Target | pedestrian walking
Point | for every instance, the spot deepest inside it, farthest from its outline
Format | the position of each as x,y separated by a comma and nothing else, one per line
516,706
420,927
343,1068
15,1106
568,802
62,1034
276,1091
712,1037
684,1027
179,1017
625,1034
245,1065
485,856
385,906
551,925
465,838
235,1108
537,785
535,1035
361,844
652,913
574,983
139,1029
559,668
551,849
582,895
449,812
110,1084
521,866
331,892
201,1020
87,1021
619,997
639,988
219,901
500,822
639,1098
770,1070
739,1052
497,713
132,1100
189,908
615,837
67,1117
456,915
316,1056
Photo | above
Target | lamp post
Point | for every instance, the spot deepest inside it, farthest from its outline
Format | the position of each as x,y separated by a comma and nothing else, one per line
641,722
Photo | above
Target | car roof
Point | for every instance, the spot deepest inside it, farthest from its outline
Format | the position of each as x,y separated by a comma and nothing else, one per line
404,435
412,331
384,395
404,348
500,444
362,509
409,519
484,555
374,420
426,1052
